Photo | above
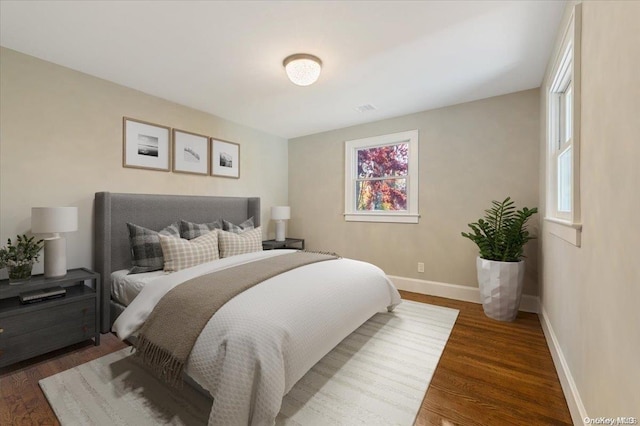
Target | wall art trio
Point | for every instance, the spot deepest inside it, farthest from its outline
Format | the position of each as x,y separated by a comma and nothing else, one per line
156,147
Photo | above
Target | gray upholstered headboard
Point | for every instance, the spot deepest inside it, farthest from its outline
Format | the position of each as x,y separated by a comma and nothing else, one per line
113,211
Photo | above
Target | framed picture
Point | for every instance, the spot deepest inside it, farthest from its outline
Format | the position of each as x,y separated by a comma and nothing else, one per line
146,145
190,153
225,158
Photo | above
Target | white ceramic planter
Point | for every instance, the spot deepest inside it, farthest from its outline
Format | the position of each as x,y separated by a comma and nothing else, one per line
500,287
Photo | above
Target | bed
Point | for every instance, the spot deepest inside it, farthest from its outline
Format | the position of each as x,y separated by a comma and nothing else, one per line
261,342
114,210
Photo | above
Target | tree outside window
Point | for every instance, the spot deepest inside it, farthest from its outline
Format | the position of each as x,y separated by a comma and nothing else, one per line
382,177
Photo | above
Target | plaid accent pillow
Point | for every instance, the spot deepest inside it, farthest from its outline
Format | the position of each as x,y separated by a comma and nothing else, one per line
181,254
146,252
247,225
190,230
232,244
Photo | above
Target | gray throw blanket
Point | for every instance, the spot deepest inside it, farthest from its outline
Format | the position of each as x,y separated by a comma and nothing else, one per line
167,337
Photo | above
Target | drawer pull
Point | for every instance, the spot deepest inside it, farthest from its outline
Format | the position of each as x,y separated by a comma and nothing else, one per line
1,330
85,328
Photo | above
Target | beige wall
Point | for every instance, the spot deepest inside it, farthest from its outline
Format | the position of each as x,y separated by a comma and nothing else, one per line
470,154
61,141
590,294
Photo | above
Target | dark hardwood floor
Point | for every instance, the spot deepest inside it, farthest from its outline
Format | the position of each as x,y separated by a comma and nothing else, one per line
491,373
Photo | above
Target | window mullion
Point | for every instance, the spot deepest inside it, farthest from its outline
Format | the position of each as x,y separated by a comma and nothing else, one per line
381,178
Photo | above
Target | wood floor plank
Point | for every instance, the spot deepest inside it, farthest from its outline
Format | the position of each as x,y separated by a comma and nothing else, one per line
490,373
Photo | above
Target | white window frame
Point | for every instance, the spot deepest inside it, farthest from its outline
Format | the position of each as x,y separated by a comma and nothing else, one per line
350,174
565,76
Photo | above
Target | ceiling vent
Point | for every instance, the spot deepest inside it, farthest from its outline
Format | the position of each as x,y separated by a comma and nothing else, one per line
365,108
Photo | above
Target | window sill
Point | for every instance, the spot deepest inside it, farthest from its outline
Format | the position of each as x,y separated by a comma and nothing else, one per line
381,217
563,229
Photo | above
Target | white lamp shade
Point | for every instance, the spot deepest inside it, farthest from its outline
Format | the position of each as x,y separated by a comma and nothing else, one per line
45,220
280,212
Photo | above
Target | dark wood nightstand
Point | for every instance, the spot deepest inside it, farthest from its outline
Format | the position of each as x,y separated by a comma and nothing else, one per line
288,243
33,329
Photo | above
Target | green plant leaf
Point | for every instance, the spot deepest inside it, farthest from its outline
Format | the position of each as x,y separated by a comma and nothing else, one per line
502,233
24,250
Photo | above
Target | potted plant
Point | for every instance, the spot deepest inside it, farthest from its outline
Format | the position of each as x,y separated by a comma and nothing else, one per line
501,237
19,258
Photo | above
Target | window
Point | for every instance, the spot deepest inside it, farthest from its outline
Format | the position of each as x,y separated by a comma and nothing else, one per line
381,178
563,137
563,141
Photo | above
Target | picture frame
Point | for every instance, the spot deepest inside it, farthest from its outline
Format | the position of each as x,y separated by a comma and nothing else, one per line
145,145
190,153
225,158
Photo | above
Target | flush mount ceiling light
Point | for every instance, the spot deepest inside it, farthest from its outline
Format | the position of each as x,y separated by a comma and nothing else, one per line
302,69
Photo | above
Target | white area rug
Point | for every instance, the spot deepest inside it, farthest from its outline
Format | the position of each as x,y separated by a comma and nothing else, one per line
376,376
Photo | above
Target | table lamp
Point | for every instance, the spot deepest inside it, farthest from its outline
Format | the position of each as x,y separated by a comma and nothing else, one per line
280,214
54,220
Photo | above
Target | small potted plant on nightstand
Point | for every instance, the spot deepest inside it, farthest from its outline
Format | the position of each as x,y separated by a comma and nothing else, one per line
19,258
501,237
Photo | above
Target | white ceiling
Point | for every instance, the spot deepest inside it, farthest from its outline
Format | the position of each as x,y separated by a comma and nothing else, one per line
225,57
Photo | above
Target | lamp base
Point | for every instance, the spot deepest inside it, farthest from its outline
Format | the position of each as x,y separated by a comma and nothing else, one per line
280,230
55,257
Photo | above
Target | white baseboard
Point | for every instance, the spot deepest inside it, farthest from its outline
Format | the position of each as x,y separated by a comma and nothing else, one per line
569,388
457,292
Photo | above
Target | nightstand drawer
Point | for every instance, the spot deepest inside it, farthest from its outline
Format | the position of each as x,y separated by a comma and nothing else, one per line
41,319
45,340
28,330
27,335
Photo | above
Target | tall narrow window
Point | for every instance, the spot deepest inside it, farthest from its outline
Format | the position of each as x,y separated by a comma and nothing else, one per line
564,149
381,178
563,171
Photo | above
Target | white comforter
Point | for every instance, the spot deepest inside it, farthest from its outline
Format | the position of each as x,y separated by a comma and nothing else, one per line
260,343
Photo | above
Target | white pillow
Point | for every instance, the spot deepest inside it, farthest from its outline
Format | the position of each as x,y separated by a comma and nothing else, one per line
232,244
180,254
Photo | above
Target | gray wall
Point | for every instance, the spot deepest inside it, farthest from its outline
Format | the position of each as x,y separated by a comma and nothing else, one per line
590,294
470,154
61,141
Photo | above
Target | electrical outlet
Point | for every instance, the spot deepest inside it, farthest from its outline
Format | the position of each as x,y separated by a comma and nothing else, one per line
420,267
